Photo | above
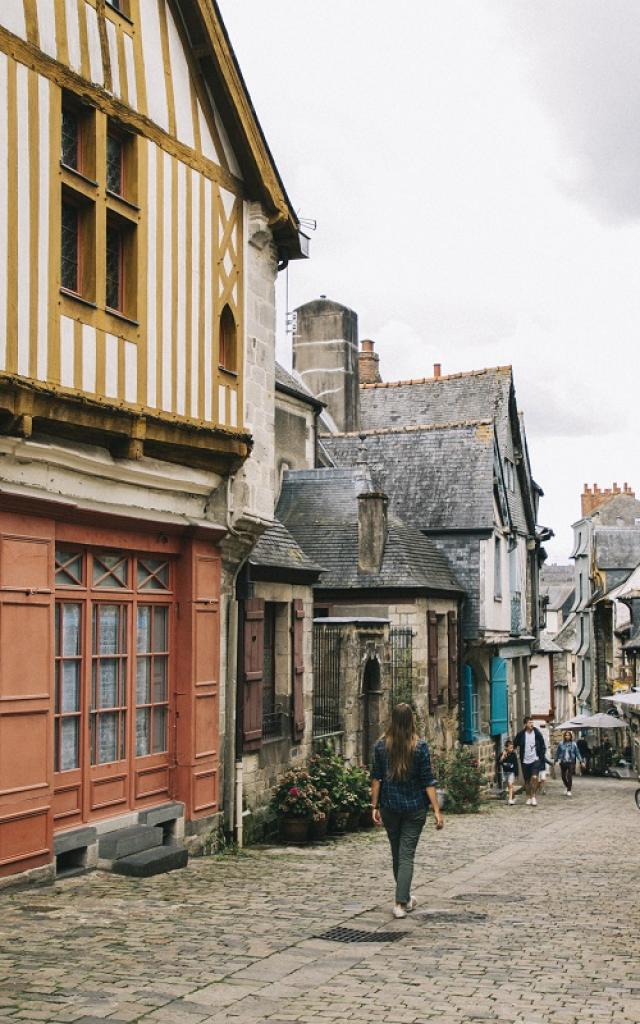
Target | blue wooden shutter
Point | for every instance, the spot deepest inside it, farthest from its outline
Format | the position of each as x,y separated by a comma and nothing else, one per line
499,697
467,704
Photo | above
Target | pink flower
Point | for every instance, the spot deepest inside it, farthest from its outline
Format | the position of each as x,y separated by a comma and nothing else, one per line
294,791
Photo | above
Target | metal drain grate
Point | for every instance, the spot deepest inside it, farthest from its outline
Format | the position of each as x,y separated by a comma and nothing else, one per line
451,917
339,934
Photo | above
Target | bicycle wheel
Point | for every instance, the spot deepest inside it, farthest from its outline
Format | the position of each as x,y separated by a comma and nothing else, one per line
638,799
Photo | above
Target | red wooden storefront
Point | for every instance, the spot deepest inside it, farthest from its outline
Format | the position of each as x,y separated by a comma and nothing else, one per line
109,662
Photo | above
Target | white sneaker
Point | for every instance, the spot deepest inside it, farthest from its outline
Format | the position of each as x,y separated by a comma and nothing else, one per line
399,911
529,802
569,793
566,792
411,905
510,803
534,802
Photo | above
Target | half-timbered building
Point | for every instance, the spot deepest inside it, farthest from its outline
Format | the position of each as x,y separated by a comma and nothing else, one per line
142,221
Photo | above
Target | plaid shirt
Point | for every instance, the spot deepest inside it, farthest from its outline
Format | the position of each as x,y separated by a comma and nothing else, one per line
403,794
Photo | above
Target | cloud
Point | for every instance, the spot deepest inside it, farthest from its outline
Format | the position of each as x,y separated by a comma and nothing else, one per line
582,62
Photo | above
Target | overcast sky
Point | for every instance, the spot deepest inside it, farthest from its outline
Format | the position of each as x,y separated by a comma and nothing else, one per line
474,169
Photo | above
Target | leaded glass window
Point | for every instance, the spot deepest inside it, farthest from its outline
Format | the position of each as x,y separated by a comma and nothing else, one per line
110,571
70,148
70,237
153,573
114,268
115,165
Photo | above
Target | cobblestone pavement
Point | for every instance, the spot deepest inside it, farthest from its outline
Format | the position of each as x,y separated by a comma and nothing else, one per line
526,915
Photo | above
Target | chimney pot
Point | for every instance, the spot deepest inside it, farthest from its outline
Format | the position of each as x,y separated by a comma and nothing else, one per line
437,369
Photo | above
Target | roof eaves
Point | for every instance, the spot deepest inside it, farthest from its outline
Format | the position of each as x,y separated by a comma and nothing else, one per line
412,429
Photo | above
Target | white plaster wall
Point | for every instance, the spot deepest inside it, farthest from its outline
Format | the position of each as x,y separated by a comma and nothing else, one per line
541,685
495,616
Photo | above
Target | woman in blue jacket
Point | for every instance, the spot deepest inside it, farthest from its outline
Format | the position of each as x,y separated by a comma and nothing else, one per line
567,754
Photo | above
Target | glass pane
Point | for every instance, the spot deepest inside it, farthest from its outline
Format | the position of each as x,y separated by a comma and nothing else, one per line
143,681
68,568
143,732
143,638
160,629
110,571
70,696
159,730
107,670
58,617
159,680
69,277
153,574
114,164
114,268
107,634
107,737
69,749
70,140
70,630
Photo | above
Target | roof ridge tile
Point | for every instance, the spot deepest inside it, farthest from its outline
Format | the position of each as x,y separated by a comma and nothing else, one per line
412,428
507,368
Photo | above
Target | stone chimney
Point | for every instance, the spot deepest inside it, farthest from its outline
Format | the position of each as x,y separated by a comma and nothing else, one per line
372,531
437,370
368,361
592,497
325,354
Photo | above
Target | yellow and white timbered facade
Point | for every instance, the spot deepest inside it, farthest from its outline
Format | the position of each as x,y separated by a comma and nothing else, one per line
122,224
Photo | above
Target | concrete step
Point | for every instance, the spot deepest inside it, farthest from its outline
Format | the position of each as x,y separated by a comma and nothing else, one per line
124,842
151,862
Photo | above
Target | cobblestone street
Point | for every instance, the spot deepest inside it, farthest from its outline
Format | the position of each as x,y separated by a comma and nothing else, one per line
525,915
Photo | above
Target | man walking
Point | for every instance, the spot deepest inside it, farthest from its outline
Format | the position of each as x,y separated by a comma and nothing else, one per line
532,752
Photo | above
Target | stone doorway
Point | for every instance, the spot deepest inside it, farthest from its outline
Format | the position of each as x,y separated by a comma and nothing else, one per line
371,708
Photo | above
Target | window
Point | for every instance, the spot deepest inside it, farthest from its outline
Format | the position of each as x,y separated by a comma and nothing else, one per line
70,249
108,684
68,675
270,716
110,571
115,164
69,568
152,674
71,154
115,267
497,568
228,342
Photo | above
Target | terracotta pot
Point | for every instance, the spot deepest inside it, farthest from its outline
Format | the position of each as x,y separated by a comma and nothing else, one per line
318,829
294,830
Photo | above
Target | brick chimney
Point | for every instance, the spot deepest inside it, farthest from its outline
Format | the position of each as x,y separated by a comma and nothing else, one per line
437,370
592,497
368,361
372,531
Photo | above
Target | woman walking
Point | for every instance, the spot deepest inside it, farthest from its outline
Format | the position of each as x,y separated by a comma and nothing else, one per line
402,787
567,754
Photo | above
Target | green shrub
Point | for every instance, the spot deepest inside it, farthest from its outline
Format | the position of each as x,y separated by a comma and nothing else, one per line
463,779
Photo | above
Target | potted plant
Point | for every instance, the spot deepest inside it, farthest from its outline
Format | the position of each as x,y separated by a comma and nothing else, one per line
320,814
293,804
361,783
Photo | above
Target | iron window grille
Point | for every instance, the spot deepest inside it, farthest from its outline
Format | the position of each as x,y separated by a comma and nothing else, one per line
401,641
327,649
273,724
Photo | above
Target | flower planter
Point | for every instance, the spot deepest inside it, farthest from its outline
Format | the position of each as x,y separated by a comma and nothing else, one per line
318,829
353,821
366,818
294,830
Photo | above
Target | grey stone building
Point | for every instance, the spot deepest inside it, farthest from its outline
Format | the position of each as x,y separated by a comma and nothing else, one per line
386,611
451,454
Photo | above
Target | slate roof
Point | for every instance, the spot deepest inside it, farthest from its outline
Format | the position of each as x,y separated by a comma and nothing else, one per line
565,638
558,595
478,395
547,645
436,478
616,547
320,509
291,384
618,506
277,549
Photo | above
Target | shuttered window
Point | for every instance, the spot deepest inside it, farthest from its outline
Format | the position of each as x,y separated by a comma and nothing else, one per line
432,646
252,671
452,636
297,653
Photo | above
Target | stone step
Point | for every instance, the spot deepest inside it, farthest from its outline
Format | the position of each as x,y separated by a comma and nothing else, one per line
124,842
151,862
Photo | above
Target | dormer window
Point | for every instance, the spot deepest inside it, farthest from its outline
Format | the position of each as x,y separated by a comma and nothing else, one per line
228,356
510,475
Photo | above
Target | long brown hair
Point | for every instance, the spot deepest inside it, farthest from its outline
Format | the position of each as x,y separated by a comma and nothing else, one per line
401,738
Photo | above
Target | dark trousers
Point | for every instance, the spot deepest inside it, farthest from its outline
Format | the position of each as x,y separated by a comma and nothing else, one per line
567,769
403,829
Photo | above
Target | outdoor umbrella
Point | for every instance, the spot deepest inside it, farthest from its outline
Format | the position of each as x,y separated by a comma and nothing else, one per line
630,699
599,721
